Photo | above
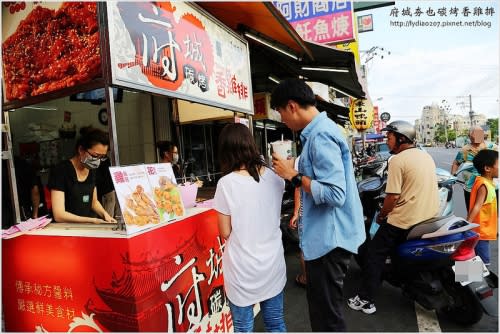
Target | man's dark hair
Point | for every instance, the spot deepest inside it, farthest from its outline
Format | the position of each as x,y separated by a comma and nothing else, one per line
90,136
485,158
237,148
165,147
292,89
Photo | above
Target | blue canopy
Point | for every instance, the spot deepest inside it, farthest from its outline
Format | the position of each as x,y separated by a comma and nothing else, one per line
372,136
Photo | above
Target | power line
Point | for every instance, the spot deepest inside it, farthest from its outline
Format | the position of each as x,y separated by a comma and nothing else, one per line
435,96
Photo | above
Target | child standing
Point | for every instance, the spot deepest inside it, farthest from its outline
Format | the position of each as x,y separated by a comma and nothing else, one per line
483,202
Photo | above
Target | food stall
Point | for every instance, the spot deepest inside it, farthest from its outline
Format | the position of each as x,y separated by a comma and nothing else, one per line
154,274
140,69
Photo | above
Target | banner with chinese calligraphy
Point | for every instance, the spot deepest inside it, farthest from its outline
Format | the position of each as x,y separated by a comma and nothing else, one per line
48,46
320,21
165,280
148,195
175,49
376,120
361,113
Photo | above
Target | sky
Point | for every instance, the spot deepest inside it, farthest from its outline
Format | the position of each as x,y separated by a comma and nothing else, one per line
422,65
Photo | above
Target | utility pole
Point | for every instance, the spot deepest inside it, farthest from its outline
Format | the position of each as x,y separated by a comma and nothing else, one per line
471,113
445,109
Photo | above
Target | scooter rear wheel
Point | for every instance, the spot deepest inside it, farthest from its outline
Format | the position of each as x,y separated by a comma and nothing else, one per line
465,309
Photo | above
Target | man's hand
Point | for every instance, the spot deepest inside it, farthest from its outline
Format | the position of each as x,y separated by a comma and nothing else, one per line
293,221
283,167
381,219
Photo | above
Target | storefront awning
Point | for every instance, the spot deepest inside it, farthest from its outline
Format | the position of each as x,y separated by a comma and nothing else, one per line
269,66
261,17
337,113
333,60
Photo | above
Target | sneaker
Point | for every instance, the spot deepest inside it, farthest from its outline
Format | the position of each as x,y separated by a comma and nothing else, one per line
359,304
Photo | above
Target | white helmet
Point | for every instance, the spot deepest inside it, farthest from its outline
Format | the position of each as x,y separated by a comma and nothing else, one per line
403,128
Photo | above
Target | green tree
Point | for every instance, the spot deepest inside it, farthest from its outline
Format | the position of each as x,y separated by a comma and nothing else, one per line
493,124
439,136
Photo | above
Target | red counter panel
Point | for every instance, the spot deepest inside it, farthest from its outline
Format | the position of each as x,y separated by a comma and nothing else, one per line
168,279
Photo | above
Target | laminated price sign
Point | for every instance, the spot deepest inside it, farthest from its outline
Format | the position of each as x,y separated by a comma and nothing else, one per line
147,195
361,113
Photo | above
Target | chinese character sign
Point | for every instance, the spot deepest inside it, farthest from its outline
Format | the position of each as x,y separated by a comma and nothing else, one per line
147,195
169,279
174,49
361,113
376,121
320,21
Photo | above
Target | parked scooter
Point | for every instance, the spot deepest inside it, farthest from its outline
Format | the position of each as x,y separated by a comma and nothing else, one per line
373,166
424,266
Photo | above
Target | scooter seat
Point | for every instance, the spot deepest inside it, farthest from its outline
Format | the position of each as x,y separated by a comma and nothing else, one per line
374,183
439,226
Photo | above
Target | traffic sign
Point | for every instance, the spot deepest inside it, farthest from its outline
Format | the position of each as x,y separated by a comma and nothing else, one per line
385,117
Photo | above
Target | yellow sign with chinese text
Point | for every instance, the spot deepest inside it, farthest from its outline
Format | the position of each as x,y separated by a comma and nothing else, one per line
361,113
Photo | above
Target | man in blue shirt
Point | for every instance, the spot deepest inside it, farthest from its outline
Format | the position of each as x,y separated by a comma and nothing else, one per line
331,227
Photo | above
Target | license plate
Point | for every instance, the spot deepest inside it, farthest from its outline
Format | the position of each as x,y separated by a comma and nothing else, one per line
470,273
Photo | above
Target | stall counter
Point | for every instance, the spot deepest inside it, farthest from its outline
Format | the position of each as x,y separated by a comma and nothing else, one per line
69,277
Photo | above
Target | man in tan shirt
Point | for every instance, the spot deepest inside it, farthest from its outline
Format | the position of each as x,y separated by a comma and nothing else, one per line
411,197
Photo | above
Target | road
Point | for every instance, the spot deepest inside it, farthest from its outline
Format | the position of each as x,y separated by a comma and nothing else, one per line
395,313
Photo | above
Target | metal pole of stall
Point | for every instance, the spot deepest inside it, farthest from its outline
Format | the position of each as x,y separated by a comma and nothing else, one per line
265,141
212,154
110,103
206,151
363,137
7,155
250,123
108,90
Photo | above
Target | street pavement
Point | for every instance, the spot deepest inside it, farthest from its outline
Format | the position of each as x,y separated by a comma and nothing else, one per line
395,313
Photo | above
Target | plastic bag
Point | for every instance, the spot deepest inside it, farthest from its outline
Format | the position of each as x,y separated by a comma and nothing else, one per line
374,225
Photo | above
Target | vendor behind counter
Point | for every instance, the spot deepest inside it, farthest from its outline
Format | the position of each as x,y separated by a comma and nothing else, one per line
72,182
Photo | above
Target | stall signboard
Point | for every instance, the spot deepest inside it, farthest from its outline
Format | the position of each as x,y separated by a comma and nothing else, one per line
361,114
176,49
148,195
48,46
365,23
262,108
376,120
166,280
320,21
352,46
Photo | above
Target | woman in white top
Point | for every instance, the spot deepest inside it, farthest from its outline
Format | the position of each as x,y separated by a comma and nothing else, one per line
248,201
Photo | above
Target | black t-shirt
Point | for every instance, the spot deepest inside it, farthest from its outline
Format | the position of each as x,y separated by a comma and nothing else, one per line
104,182
77,195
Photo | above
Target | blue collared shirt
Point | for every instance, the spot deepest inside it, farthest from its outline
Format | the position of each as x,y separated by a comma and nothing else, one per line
332,215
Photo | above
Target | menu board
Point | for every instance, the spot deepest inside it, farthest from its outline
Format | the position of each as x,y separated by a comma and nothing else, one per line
147,195
48,46
166,194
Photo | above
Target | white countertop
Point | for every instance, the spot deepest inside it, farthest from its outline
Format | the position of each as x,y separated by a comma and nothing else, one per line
102,230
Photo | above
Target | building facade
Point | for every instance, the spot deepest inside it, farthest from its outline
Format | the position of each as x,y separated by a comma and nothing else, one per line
433,117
